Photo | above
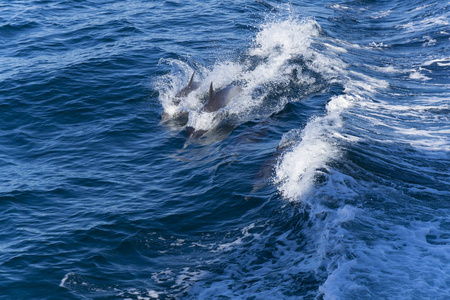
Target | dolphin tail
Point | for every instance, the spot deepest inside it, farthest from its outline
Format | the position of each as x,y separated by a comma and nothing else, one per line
211,92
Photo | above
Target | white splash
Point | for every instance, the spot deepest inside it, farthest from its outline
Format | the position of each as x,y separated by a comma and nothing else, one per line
274,46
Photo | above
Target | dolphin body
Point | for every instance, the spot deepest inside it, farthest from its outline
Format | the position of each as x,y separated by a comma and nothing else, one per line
221,98
216,101
183,93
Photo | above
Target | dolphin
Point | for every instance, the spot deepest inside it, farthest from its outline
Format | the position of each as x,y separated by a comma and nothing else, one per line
221,98
216,101
183,93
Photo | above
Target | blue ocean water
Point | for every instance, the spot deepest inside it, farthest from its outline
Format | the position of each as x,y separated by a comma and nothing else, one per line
327,177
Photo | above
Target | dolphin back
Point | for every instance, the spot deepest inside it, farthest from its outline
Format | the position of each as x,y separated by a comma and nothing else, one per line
221,98
192,86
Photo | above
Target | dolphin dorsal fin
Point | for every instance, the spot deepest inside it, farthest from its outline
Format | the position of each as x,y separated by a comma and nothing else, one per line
211,91
192,79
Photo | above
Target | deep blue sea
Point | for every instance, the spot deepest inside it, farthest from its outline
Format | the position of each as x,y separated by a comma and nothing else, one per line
325,177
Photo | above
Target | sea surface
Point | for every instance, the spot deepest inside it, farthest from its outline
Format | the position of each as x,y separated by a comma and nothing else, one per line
326,177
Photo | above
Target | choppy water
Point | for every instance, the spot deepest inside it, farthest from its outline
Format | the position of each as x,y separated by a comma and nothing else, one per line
327,177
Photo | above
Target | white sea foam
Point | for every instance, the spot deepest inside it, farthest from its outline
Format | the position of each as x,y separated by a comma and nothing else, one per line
64,280
338,7
430,41
425,25
379,45
427,129
381,14
385,264
228,246
416,74
386,69
297,170
421,7
442,62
